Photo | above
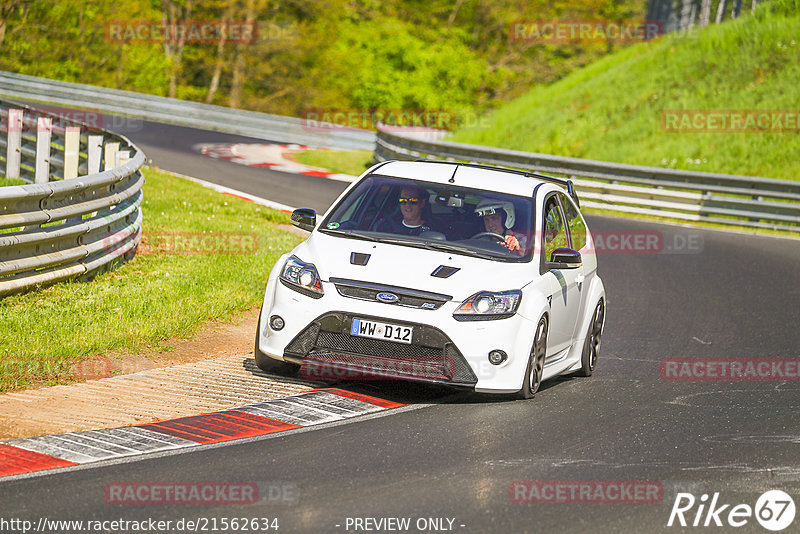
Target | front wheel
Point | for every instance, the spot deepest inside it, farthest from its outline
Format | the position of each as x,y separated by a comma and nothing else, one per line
591,347
535,369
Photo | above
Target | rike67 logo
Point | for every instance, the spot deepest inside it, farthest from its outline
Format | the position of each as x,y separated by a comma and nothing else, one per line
774,510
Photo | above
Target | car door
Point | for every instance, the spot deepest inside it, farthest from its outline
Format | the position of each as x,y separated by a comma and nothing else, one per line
576,232
562,287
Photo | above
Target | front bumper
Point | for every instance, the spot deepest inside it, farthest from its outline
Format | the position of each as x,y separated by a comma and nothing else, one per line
326,348
317,335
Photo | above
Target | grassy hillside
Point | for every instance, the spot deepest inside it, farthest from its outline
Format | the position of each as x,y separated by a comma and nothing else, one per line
612,109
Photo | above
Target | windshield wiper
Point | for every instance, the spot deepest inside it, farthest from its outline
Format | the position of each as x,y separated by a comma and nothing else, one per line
410,243
349,233
436,245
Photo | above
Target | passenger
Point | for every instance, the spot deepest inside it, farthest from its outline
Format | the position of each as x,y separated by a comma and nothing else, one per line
412,201
498,218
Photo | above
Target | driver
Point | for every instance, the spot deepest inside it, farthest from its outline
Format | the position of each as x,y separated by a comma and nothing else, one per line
498,218
412,202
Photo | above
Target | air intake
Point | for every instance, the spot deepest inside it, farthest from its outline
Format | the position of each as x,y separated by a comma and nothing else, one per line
358,258
443,271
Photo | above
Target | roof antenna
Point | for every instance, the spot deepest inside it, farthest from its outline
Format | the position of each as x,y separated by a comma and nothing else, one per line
452,179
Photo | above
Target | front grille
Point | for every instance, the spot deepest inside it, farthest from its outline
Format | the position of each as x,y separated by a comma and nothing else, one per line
411,298
304,342
370,367
374,347
431,356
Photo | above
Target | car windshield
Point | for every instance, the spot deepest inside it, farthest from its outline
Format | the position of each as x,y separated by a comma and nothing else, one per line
415,213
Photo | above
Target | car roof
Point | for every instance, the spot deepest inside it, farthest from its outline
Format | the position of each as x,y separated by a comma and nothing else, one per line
467,175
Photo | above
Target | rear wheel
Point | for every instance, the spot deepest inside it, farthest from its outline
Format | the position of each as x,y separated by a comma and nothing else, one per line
271,365
591,347
535,369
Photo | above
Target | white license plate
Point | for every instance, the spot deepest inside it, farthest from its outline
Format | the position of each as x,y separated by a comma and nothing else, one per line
376,330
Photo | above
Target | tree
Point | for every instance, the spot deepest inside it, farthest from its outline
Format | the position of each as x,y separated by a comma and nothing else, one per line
175,15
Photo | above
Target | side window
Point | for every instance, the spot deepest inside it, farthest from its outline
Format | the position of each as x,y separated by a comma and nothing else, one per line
577,228
555,235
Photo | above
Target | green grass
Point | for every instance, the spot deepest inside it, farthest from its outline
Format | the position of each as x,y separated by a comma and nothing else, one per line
611,110
10,181
148,300
352,162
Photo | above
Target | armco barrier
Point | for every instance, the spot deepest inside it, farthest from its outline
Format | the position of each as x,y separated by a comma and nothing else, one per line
59,228
182,112
691,196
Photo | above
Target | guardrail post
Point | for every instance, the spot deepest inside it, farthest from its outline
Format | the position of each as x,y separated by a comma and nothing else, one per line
110,156
44,130
123,157
14,147
72,143
94,151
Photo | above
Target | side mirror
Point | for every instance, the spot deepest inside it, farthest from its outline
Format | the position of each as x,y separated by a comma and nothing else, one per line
304,218
565,258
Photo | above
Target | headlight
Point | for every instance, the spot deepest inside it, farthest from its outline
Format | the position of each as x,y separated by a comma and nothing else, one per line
302,277
485,305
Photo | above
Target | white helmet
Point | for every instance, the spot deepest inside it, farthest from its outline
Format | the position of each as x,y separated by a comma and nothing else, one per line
489,206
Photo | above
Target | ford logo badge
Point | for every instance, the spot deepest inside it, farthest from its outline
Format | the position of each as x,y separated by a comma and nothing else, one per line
389,298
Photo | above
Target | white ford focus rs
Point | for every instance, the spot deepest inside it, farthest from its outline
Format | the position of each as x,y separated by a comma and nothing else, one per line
440,272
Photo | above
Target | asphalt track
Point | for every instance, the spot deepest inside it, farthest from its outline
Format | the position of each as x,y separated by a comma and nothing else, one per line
170,147
453,455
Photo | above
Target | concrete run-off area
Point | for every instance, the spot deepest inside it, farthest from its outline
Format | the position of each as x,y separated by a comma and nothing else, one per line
143,397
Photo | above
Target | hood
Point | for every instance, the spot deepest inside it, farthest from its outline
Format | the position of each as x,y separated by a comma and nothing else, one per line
410,267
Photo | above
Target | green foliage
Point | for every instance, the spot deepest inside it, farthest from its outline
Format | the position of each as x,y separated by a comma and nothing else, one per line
612,109
382,64
339,54
10,181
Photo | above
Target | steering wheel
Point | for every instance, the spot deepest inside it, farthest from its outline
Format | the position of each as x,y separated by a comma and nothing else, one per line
498,237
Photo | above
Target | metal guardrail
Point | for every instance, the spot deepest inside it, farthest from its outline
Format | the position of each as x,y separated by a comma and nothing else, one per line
184,113
73,227
748,201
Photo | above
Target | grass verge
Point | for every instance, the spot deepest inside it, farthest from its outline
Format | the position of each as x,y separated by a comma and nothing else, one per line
352,162
10,181
226,248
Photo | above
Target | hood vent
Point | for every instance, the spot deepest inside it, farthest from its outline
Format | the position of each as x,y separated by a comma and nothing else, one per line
358,258
443,271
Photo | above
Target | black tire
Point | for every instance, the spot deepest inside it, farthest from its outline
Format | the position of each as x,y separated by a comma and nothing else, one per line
535,368
591,347
271,365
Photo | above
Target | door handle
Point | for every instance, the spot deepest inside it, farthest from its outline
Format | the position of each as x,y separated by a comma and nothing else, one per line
579,279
